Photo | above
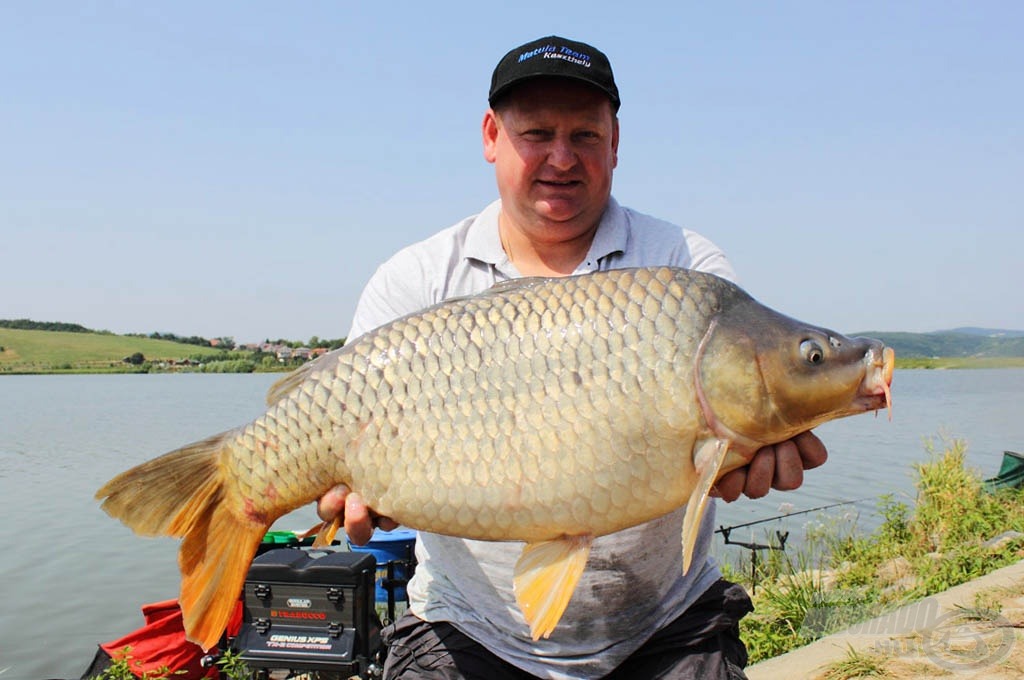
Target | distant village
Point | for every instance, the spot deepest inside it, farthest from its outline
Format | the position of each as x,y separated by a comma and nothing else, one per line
284,353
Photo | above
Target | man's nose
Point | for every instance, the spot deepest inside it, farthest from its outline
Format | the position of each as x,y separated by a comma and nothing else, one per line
561,154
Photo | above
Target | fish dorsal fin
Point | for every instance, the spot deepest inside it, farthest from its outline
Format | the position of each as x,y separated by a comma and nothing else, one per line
280,389
545,577
503,287
708,462
517,284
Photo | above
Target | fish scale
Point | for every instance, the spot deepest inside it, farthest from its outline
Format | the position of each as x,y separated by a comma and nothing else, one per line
547,411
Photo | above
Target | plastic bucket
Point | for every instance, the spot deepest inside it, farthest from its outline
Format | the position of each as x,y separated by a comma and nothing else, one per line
390,546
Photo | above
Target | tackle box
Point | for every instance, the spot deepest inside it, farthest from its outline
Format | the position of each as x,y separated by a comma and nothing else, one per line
310,610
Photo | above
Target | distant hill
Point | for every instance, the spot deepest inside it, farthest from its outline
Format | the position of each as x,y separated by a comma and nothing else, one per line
47,347
988,332
48,351
959,343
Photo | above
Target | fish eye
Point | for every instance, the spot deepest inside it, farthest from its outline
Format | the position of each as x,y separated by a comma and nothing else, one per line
812,351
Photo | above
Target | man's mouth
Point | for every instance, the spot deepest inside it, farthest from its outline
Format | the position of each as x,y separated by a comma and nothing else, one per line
560,184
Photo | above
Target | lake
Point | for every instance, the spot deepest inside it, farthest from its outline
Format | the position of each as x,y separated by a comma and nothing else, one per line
73,577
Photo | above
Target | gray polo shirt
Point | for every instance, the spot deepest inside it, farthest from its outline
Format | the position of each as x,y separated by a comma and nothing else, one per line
633,583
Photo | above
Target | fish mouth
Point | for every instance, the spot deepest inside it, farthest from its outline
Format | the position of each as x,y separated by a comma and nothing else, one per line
875,392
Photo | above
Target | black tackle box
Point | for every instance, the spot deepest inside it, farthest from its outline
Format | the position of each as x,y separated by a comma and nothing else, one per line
310,610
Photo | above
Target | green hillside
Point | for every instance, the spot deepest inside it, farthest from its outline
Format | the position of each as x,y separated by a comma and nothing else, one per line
27,351
84,351
951,345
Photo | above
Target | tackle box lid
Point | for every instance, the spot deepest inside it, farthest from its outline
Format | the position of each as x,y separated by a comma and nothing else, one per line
294,565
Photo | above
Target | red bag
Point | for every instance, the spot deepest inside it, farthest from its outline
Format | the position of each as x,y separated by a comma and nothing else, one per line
161,643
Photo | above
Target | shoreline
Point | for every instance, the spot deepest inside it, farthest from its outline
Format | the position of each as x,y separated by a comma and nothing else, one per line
920,639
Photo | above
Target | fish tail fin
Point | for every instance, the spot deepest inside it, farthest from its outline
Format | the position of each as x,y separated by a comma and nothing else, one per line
182,494
214,559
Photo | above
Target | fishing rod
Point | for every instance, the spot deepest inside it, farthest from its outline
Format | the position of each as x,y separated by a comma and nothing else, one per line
726,530
780,536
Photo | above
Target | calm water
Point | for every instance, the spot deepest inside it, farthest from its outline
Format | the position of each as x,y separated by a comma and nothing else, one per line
73,577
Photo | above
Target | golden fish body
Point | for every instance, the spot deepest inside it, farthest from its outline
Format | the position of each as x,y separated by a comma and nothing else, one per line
547,411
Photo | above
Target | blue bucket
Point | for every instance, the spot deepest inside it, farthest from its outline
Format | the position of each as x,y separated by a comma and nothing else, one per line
390,546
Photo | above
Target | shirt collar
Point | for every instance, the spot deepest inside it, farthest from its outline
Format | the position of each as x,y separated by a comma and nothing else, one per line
483,242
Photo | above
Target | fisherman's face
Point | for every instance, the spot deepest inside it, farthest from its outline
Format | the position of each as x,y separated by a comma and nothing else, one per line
554,143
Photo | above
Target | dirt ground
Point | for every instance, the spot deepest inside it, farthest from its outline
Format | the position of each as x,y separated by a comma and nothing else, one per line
984,639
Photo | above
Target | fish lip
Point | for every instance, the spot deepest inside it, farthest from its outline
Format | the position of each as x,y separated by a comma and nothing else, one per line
874,393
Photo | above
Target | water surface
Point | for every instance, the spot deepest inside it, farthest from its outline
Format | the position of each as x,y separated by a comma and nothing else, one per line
73,577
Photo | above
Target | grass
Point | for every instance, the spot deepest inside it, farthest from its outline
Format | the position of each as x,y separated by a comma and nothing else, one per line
60,352
123,666
856,665
841,577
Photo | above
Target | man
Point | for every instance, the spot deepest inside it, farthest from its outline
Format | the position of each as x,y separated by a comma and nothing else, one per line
552,134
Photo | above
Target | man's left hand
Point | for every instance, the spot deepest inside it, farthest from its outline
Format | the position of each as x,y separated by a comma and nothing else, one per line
779,466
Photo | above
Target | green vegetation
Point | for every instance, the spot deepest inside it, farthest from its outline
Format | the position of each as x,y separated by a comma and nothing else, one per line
30,325
841,576
953,344
33,347
856,665
28,346
123,667
959,362
231,667
36,351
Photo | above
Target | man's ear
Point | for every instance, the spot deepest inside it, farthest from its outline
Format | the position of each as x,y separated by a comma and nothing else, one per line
490,135
615,142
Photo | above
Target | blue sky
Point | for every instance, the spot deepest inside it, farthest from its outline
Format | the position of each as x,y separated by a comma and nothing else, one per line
240,168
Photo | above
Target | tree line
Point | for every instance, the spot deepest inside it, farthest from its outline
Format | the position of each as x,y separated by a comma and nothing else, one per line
30,325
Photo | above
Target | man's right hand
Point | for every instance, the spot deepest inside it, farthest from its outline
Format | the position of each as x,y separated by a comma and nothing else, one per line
359,520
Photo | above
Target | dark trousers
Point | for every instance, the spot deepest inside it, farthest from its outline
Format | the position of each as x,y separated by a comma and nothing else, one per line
702,643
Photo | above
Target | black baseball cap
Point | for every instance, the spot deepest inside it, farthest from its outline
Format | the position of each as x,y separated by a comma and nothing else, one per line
555,57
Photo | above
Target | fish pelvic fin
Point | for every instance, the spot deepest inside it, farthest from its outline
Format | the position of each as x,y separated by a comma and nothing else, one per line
325,532
707,462
182,494
545,577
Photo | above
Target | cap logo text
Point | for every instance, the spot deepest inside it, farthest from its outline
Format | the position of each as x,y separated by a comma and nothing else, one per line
562,52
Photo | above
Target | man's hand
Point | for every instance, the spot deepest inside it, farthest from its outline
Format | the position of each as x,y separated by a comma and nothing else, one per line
780,466
360,521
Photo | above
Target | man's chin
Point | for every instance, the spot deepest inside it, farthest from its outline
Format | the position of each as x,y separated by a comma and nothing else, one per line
558,210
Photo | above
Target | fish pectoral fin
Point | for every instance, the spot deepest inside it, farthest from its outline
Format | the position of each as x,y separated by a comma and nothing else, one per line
545,577
707,462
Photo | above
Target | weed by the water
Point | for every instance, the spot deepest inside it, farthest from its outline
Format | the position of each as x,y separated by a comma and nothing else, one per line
840,576
856,665
123,666
232,667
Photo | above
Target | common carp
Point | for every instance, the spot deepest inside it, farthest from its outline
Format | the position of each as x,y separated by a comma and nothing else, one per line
543,410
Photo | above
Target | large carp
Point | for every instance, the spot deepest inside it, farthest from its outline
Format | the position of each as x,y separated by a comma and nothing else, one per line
548,411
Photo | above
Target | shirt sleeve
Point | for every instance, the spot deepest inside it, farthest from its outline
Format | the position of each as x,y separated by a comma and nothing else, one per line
399,287
705,256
